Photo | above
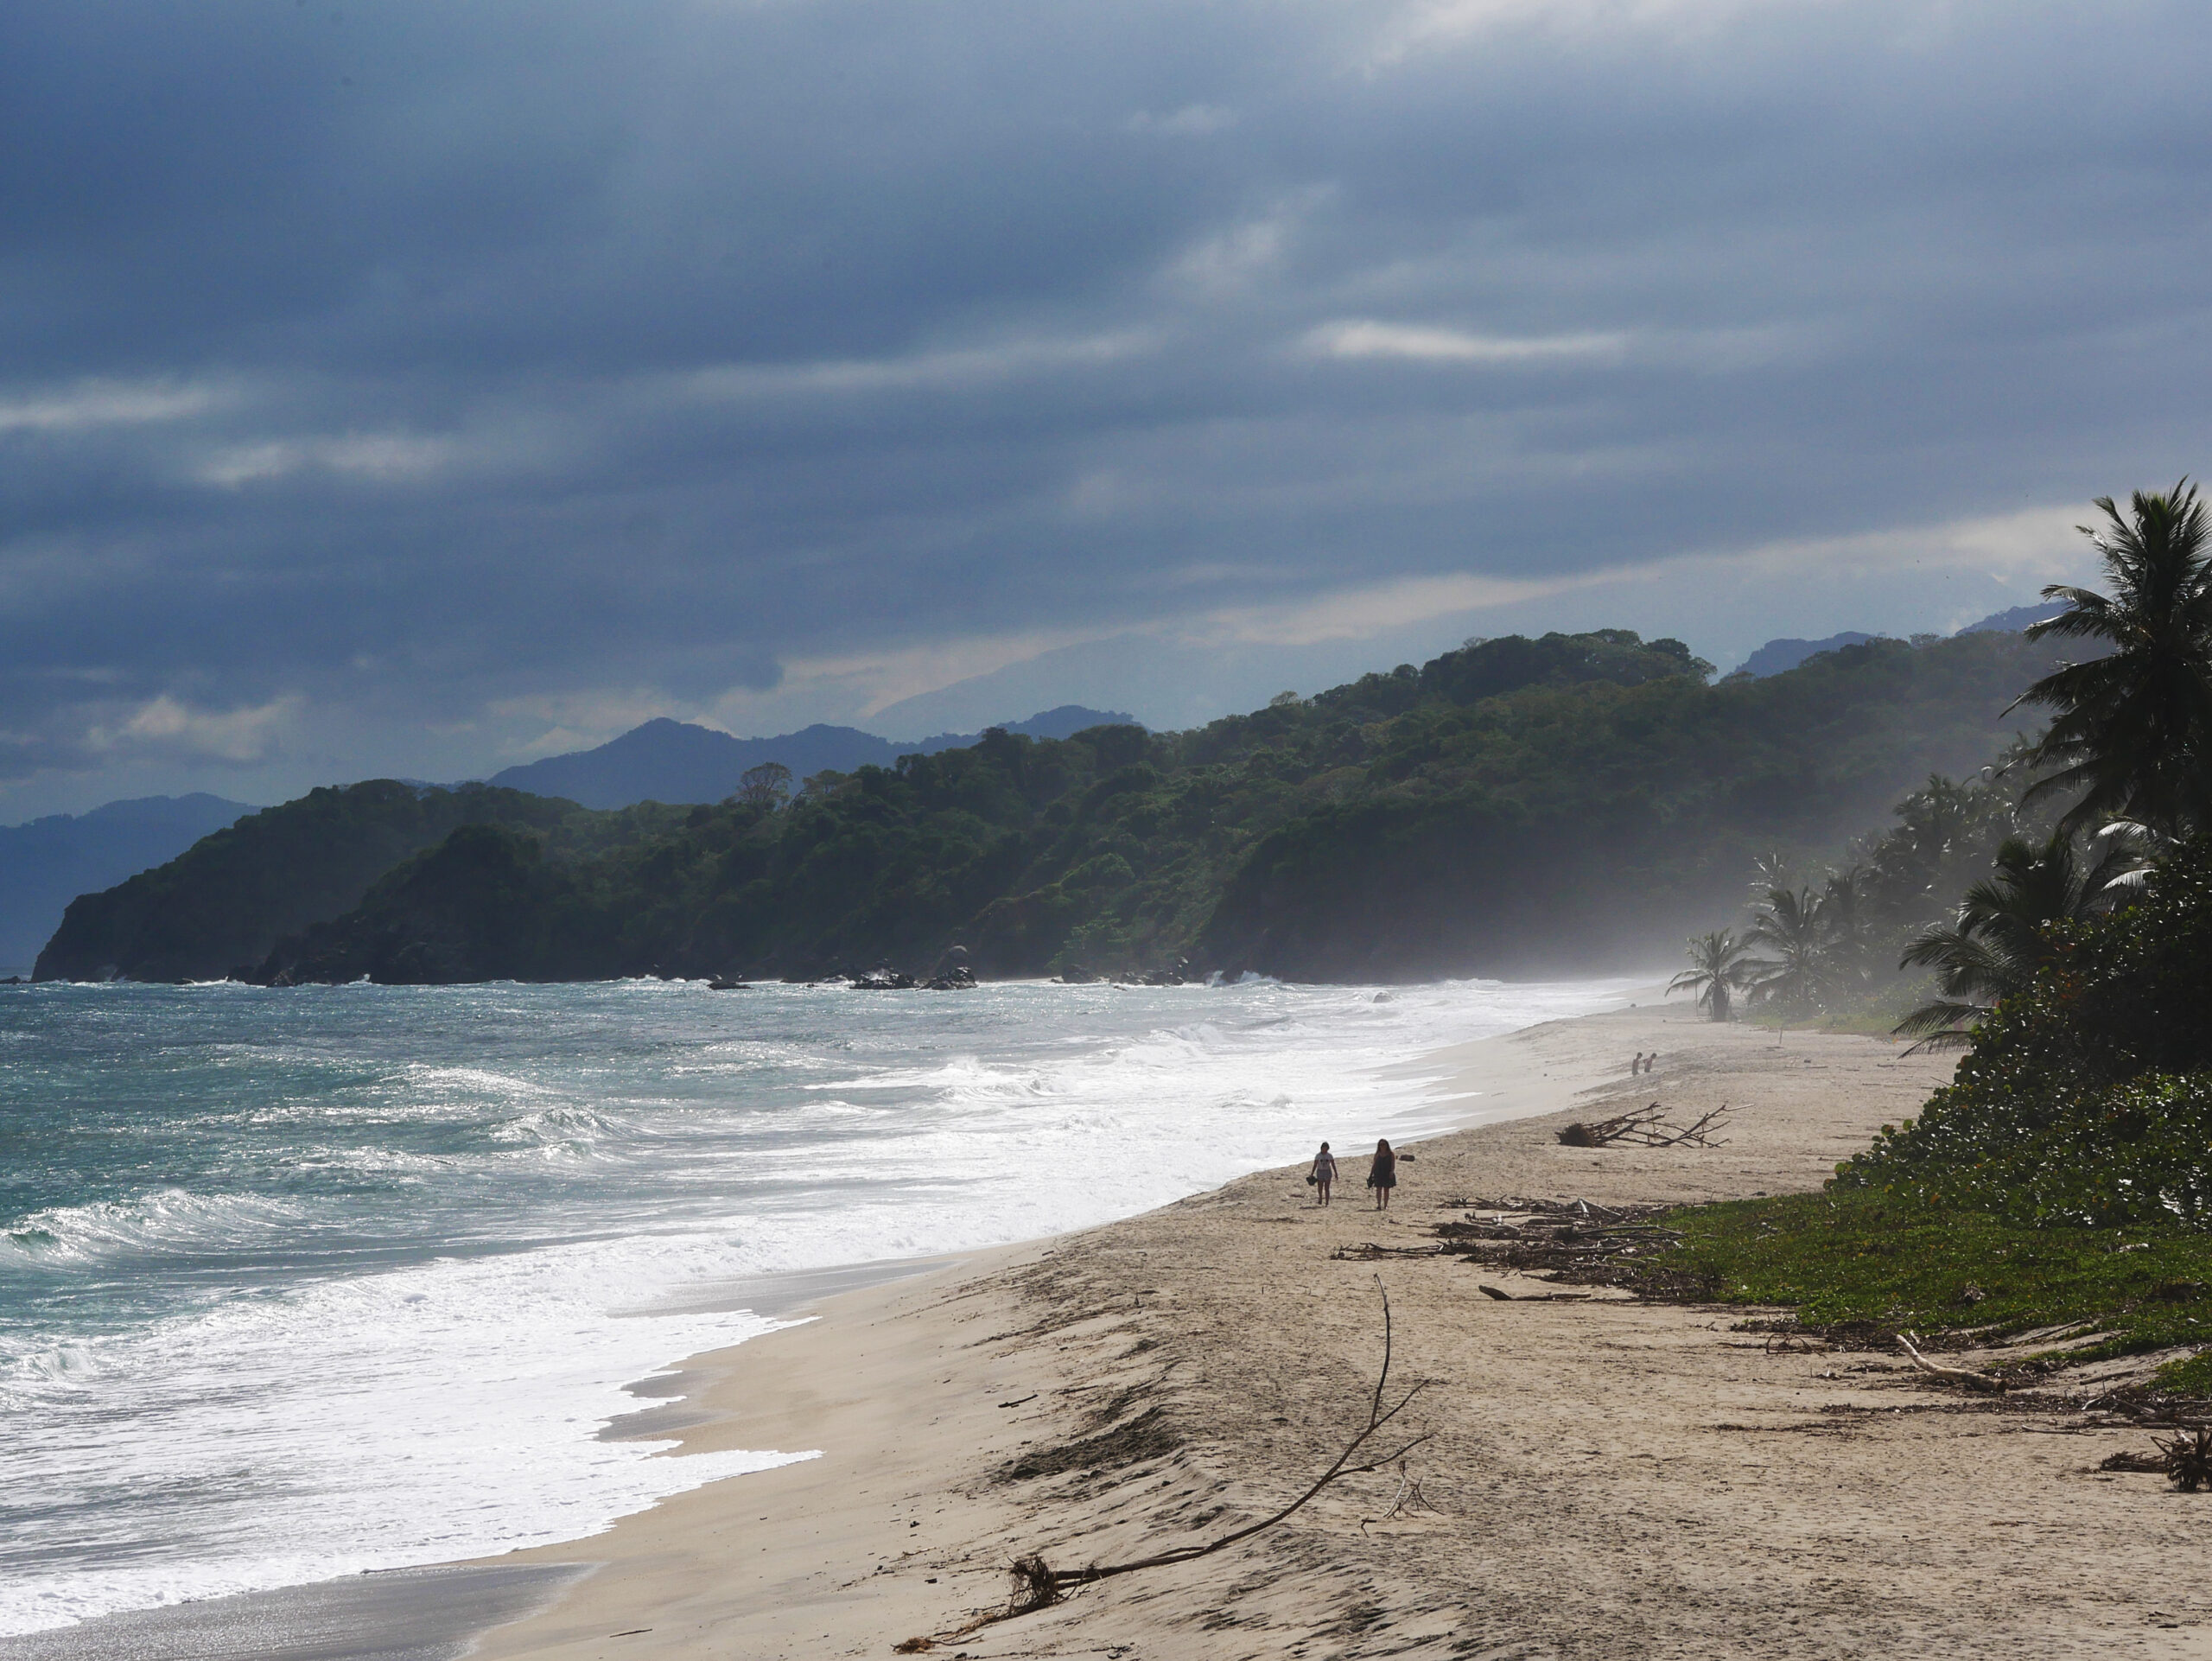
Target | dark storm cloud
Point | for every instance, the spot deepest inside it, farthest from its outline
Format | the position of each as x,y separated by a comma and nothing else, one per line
402,359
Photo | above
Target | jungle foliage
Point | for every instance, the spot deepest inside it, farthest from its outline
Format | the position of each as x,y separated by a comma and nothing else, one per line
1515,806
226,900
2087,1098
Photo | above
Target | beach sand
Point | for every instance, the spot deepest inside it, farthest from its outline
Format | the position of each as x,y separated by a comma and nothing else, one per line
1604,1478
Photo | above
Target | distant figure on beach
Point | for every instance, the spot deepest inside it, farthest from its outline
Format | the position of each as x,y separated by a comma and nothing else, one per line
1324,1173
1636,1067
1651,1061
1382,1175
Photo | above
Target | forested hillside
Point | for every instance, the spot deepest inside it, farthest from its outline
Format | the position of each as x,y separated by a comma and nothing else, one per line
49,861
225,901
1556,828
1516,806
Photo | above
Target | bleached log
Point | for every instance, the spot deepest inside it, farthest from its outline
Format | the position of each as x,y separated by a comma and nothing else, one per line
1971,1380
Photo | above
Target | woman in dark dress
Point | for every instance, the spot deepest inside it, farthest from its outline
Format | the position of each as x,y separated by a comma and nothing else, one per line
1382,1175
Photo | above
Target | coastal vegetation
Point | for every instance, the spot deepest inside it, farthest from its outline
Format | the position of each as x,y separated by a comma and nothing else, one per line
226,900
2065,1173
1514,806
1863,1266
1721,966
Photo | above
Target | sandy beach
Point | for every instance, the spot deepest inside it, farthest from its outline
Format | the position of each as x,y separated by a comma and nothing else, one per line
1596,1478
1600,1478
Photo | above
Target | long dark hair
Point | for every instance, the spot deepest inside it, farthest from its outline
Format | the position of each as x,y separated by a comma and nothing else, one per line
1383,1149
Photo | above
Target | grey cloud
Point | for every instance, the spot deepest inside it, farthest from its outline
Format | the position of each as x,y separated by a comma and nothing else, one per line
406,359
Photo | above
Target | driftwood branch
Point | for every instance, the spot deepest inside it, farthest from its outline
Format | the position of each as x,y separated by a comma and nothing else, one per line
1409,1497
1377,1417
1647,1127
1505,1296
1971,1380
1037,1585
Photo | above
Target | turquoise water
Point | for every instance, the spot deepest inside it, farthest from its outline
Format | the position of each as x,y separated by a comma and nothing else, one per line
301,1282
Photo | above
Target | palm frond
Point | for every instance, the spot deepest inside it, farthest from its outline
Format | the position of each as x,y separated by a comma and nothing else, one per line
1942,1025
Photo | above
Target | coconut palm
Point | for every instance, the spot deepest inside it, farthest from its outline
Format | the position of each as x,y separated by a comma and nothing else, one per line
1945,830
1846,925
2134,728
1769,871
2002,934
1793,932
1720,966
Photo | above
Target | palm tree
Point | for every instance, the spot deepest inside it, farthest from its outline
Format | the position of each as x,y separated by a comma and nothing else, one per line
1792,928
2001,935
1846,926
1721,965
1769,871
1944,829
2134,728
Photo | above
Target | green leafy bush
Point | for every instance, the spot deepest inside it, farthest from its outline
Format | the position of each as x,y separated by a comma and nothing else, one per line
2087,1100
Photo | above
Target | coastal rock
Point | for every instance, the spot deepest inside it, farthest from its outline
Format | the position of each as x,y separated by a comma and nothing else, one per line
883,978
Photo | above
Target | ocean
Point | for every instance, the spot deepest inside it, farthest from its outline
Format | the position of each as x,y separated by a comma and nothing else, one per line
301,1283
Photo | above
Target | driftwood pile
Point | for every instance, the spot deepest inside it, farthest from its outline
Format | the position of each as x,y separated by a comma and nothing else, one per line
2186,1458
1647,1127
1579,1241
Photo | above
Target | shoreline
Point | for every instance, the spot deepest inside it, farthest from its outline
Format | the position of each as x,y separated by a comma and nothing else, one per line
1601,1476
1605,1473
281,1622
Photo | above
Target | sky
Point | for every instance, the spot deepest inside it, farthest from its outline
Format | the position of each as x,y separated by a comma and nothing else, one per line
417,389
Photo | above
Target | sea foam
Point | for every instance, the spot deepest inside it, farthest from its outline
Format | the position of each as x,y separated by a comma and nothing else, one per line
387,1286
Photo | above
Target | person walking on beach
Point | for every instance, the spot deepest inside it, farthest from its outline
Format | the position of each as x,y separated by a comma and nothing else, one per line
1323,1176
1382,1175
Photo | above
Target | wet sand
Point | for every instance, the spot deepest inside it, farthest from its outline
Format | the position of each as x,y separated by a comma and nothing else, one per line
1601,1478
401,1614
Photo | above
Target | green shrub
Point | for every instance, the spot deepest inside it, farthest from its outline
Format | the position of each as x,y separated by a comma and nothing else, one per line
2087,1100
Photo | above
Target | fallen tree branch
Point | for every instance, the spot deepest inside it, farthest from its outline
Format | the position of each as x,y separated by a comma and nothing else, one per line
1646,1127
1971,1380
1037,1585
1377,1417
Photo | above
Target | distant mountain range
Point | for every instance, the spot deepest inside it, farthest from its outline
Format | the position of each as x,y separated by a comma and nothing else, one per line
48,863
2018,618
1778,656
667,760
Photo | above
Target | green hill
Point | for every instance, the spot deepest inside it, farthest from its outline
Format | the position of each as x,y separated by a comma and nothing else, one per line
227,898
1554,829
1517,806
